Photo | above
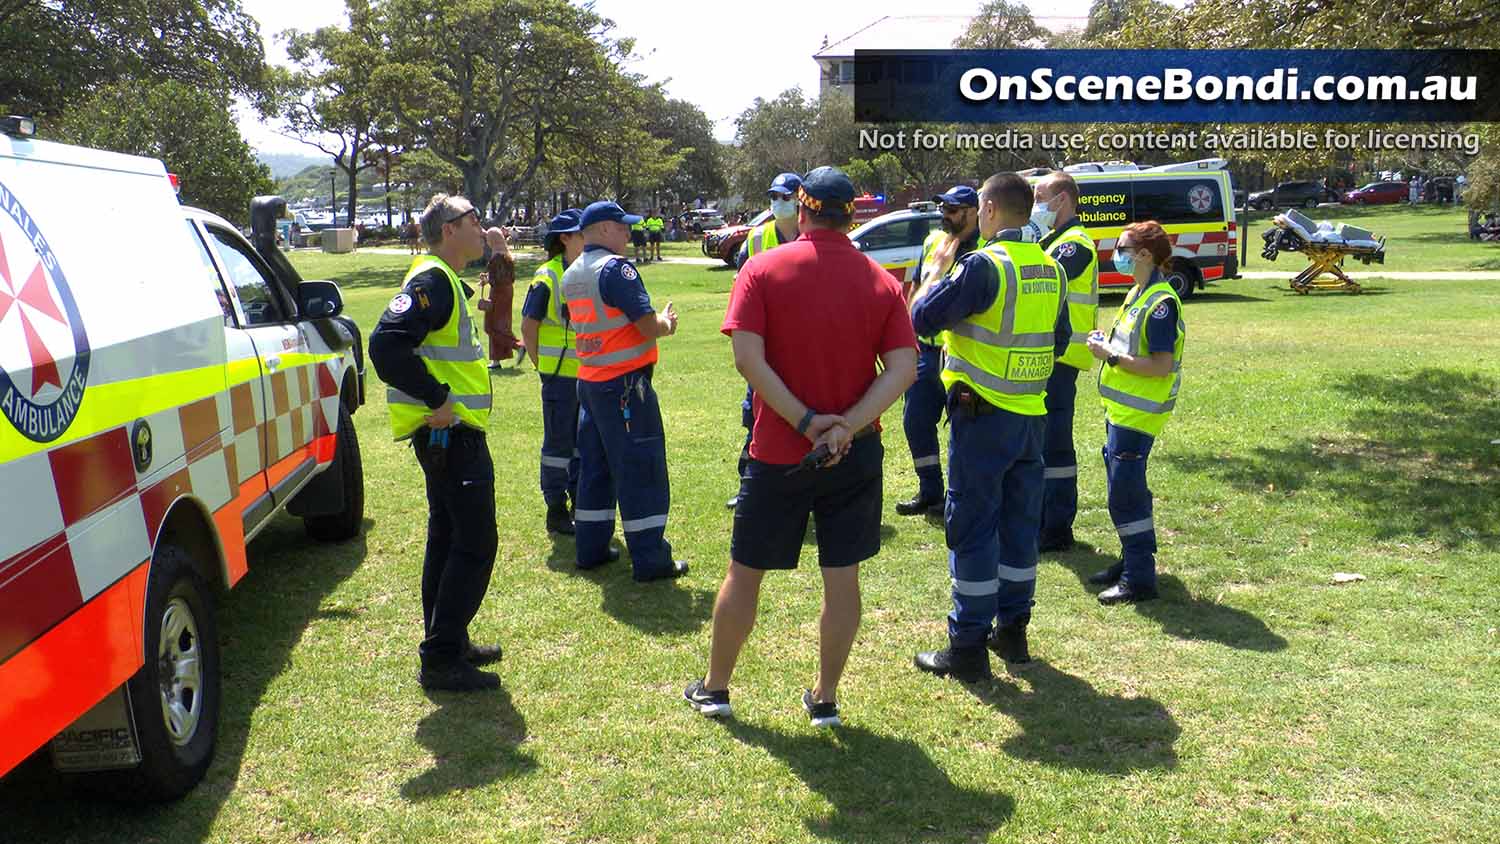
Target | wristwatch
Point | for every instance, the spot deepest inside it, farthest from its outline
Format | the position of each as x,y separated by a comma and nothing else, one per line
1112,360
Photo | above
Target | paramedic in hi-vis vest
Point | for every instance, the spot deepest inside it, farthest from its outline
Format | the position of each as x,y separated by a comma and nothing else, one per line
781,228
922,409
622,448
1003,317
1138,384
1056,209
549,341
426,348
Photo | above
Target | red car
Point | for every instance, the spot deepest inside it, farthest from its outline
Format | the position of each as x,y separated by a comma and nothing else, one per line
724,243
1377,193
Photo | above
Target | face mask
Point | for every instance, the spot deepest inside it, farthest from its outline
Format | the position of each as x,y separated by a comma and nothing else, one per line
1124,262
1043,216
784,208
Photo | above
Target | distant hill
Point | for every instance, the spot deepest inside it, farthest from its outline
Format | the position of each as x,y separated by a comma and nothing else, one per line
313,183
284,164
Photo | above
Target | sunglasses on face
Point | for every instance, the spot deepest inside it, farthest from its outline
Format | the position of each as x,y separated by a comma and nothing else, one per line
458,218
954,209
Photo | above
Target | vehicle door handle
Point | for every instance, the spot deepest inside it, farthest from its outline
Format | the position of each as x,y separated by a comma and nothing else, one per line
272,363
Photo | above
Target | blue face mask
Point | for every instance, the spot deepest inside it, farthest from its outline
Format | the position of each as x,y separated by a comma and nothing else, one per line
1124,262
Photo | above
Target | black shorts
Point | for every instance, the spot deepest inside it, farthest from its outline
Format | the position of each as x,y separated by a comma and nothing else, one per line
655,237
638,238
770,520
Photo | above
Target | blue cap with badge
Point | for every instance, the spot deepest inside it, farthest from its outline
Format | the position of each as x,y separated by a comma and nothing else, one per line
827,192
606,212
959,195
784,186
563,223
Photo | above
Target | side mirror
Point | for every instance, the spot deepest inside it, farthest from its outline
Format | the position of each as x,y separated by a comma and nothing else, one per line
319,300
860,245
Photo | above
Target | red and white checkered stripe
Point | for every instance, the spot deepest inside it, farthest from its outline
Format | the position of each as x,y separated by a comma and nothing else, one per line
1215,244
85,517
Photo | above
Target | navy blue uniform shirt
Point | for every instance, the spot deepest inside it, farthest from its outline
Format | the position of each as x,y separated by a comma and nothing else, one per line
620,286
424,305
970,289
537,299
1073,263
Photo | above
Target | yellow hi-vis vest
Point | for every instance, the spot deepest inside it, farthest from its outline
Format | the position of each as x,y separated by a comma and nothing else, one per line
930,245
1141,402
1005,352
762,238
453,355
655,223
1083,298
555,354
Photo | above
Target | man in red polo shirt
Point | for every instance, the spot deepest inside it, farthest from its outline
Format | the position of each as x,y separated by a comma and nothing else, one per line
809,321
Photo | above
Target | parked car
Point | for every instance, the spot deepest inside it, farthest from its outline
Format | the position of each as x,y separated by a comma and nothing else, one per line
1305,193
724,242
701,220
1377,193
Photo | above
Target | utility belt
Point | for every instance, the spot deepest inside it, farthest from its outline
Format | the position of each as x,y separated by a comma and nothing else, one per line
963,400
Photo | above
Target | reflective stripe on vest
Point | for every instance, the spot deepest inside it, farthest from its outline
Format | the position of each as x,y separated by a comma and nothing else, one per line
452,355
554,353
1142,402
1083,299
1005,352
762,238
607,343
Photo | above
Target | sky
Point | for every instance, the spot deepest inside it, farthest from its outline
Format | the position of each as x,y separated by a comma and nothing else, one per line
717,55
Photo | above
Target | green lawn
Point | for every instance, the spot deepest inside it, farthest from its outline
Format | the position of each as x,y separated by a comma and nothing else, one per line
1257,702
1420,239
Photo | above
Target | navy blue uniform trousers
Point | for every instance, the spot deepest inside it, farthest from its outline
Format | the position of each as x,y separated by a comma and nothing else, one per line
1125,453
1060,504
921,413
461,538
991,518
559,476
622,453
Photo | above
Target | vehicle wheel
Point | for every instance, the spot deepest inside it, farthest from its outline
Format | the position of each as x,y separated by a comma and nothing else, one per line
1264,205
345,524
1310,203
174,698
1184,281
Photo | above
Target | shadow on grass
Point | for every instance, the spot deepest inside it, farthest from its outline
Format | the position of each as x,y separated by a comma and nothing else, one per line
670,607
1066,723
1178,611
881,788
474,739
260,623
1217,297
1416,461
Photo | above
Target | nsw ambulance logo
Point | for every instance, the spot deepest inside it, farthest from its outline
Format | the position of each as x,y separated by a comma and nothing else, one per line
44,353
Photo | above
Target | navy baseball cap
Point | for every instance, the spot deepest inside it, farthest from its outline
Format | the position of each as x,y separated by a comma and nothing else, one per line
563,223
827,192
959,195
784,185
606,212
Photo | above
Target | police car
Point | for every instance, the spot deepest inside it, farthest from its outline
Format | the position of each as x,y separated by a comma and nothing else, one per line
895,240
167,387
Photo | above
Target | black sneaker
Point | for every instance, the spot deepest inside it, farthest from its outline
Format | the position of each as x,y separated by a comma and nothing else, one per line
457,677
709,704
820,713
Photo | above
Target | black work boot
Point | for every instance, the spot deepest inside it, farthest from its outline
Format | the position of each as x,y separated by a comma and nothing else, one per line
918,505
1009,641
1109,576
457,676
559,520
967,664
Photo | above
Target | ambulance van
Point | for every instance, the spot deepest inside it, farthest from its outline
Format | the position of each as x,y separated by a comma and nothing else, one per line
167,388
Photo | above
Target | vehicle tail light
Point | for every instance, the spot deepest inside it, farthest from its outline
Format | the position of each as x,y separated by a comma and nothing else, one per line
176,183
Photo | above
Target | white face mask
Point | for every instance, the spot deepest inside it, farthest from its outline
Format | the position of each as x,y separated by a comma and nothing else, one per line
784,208
1043,216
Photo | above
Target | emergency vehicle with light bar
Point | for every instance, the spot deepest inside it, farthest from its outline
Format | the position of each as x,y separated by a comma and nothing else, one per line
167,388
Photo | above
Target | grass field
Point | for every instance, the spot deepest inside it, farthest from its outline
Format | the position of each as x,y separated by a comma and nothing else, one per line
1256,702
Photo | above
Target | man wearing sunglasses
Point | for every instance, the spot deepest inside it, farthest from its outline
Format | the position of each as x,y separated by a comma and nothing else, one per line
923,408
426,348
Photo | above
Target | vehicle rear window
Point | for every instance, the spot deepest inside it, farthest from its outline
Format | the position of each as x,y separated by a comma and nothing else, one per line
896,234
1170,201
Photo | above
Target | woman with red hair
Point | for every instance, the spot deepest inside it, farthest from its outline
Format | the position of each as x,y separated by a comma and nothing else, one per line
1142,354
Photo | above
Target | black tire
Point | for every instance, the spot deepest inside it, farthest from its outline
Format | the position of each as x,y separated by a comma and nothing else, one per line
180,624
1265,205
345,524
1183,280
1310,203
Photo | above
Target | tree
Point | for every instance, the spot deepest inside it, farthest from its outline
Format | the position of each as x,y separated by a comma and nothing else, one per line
189,128
774,136
330,102
52,53
1002,25
485,85
689,132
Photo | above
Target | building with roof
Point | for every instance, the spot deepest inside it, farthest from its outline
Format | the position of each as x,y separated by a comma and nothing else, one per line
903,32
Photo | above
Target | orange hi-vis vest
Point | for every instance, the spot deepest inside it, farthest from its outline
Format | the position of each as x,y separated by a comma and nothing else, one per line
608,343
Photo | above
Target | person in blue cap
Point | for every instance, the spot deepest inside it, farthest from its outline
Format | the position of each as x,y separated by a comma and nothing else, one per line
781,228
923,408
549,340
622,447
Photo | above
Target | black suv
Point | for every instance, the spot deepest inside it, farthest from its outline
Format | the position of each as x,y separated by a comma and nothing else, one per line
1288,194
